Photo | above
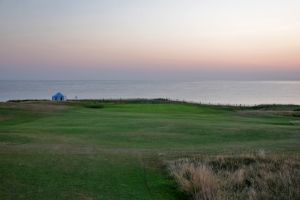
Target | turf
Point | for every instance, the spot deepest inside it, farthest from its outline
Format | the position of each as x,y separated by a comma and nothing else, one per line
116,150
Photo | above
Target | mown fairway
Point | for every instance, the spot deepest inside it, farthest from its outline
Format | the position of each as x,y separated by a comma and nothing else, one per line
90,150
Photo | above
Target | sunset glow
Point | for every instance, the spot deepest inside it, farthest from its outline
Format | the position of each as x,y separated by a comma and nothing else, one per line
168,35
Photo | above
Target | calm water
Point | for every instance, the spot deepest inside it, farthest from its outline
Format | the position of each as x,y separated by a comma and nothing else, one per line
216,92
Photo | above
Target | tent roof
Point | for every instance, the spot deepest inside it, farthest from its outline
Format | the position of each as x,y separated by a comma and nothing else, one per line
58,94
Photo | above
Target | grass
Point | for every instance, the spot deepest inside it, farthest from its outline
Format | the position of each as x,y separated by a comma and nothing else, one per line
117,149
239,177
198,181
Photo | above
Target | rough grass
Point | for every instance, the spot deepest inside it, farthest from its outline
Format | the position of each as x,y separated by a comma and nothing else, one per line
253,176
199,181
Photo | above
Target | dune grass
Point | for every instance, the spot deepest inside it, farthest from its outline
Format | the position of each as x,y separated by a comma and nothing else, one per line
117,149
254,176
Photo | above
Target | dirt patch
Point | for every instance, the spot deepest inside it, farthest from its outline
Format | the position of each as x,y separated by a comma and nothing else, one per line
265,113
36,106
3,118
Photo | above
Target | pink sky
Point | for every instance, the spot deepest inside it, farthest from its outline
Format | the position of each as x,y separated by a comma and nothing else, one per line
258,35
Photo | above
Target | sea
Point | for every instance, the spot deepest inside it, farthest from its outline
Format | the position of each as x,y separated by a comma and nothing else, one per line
208,92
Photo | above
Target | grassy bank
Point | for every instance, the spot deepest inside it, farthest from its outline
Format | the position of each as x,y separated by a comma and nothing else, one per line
118,149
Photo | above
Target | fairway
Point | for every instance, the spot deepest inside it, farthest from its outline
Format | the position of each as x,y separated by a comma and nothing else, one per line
117,150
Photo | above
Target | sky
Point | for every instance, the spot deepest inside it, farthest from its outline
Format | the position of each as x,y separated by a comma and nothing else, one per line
157,39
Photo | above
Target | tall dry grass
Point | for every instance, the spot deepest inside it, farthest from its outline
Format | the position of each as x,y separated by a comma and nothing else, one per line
253,177
198,180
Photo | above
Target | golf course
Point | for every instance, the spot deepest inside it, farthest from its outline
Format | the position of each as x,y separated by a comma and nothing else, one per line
120,149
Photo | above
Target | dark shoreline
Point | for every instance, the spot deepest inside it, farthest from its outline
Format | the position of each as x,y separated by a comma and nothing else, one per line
293,107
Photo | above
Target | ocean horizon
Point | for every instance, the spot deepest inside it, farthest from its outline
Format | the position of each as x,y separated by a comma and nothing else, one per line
208,92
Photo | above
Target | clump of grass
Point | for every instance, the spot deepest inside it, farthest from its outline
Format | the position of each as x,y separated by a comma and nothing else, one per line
256,176
197,180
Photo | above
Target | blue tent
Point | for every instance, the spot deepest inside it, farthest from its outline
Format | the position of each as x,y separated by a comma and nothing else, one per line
58,97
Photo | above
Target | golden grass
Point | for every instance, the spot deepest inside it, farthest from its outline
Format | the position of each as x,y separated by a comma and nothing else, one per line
198,180
253,177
